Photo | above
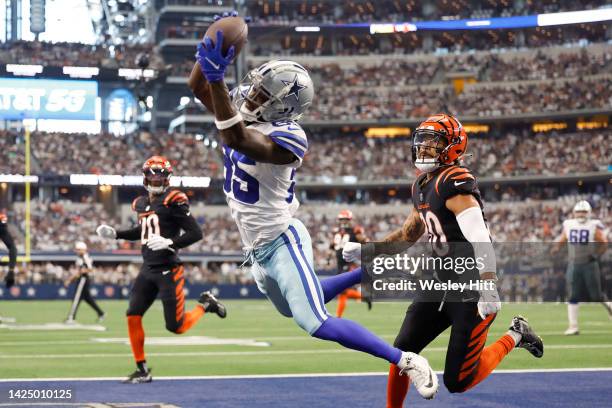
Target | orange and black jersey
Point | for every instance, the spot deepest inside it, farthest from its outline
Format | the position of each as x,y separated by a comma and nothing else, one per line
6,237
343,235
166,215
429,198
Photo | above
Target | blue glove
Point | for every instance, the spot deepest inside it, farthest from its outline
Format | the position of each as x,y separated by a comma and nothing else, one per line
212,63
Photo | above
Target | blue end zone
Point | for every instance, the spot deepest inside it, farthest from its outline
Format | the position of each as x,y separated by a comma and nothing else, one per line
559,389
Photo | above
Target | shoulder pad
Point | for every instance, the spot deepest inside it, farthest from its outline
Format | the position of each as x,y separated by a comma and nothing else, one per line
455,180
139,204
175,197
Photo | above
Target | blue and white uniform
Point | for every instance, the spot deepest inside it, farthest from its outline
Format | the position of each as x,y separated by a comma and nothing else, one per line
262,202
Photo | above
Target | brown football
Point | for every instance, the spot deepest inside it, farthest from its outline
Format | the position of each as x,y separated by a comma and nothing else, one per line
235,32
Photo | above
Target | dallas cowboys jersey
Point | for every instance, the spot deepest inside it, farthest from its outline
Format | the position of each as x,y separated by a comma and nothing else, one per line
260,195
581,232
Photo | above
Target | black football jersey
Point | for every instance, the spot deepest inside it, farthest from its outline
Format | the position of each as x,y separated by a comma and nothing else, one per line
166,215
342,236
429,198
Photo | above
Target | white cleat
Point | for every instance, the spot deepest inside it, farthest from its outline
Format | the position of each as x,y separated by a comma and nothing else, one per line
420,373
572,331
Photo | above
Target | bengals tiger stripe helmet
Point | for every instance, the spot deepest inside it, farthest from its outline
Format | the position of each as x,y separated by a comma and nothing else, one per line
156,171
443,134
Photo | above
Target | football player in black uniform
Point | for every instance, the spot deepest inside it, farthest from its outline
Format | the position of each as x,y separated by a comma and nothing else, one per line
6,237
447,206
162,214
343,233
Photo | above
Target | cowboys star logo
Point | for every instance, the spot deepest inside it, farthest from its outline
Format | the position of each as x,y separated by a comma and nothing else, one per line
295,89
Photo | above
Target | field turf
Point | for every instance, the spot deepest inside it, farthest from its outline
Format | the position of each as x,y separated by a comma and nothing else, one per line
74,353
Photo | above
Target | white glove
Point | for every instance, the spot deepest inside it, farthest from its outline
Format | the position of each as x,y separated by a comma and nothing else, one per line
106,231
489,302
158,243
351,252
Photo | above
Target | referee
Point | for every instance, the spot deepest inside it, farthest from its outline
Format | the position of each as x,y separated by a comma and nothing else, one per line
85,267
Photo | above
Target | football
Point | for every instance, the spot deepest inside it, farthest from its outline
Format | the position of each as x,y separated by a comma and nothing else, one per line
235,32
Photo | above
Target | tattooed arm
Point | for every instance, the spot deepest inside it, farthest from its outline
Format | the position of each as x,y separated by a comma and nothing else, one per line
411,231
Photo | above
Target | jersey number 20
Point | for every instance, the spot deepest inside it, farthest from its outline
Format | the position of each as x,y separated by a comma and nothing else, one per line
436,235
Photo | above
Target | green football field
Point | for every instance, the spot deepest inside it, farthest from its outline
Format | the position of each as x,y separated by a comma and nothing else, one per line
83,353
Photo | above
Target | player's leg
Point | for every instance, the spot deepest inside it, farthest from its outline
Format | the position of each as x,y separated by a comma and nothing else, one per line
90,300
142,295
335,285
342,298
574,284
76,300
468,361
291,267
172,295
422,324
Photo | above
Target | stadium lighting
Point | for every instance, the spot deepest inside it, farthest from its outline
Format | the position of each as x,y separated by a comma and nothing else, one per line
575,17
81,72
308,29
17,178
24,70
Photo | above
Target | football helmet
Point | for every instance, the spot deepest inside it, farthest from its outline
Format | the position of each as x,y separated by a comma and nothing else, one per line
276,91
438,141
156,171
582,210
345,217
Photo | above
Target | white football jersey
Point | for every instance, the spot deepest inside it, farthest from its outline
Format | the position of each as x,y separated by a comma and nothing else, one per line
260,195
579,232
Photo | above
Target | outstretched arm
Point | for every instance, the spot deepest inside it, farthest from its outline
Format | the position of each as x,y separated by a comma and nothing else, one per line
234,133
411,231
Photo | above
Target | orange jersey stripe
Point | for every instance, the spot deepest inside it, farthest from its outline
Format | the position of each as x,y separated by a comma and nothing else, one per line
440,176
456,171
169,196
463,177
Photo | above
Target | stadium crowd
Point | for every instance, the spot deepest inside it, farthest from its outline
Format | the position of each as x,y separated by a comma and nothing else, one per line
379,104
58,225
76,54
522,226
493,155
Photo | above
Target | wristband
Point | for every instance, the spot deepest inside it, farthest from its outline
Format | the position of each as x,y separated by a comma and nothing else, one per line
225,124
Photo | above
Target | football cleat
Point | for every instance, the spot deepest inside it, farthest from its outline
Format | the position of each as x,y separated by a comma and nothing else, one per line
101,318
212,305
572,331
530,341
139,377
420,373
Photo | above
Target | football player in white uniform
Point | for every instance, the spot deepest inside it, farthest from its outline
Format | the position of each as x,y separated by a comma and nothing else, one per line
583,275
263,147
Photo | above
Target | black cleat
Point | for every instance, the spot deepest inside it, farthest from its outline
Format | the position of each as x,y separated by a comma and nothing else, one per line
212,305
139,377
530,341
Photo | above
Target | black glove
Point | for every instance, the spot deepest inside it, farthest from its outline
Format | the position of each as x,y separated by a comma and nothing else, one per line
9,279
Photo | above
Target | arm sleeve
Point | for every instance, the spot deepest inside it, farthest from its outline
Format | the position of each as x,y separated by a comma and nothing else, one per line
192,231
132,234
10,245
474,229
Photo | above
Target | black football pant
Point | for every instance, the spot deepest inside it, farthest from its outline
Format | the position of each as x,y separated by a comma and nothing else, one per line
424,322
168,284
82,293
